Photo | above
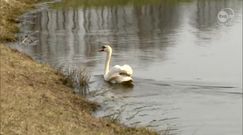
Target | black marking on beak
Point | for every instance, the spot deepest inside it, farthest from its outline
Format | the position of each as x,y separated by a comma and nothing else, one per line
102,49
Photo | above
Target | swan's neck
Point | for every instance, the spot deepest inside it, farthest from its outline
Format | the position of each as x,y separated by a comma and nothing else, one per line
107,62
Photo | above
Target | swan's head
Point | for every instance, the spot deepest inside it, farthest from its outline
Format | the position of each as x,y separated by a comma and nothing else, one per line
105,48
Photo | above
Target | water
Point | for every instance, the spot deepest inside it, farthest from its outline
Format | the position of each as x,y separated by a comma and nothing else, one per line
187,66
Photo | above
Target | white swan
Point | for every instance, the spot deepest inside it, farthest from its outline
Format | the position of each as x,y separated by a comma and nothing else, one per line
117,74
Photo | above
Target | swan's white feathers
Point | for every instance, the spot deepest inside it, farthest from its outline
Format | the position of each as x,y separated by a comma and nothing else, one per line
118,74
123,70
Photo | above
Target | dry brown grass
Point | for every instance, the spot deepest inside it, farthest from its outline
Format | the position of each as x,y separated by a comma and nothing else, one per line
9,11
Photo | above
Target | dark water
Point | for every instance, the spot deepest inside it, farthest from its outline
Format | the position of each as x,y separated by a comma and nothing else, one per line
187,65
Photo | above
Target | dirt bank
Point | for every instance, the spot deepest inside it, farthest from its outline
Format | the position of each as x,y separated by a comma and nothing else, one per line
34,99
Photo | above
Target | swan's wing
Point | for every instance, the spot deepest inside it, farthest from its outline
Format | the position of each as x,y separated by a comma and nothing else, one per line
125,70
119,73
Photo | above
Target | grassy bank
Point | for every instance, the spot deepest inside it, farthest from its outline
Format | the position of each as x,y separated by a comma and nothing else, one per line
9,12
34,99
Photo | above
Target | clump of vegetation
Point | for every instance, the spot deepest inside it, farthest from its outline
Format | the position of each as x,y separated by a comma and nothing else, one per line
75,76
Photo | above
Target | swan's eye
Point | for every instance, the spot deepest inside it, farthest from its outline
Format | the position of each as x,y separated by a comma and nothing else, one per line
103,47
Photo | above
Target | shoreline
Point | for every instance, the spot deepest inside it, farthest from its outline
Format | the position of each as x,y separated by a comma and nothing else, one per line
34,98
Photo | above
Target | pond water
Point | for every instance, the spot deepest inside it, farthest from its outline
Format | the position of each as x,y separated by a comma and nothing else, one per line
187,65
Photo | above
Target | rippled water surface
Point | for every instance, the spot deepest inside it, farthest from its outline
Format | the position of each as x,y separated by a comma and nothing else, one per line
187,65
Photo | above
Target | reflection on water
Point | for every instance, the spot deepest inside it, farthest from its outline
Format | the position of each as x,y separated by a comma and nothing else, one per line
187,66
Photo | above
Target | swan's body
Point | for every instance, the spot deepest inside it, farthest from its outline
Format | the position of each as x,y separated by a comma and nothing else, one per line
117,74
